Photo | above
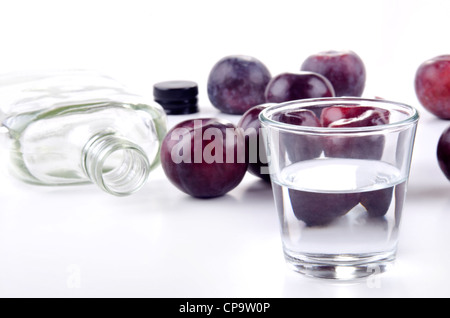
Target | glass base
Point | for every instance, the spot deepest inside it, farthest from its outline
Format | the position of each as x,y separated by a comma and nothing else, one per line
340,266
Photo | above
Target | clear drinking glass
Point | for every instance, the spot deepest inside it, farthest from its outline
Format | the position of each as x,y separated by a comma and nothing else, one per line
339,191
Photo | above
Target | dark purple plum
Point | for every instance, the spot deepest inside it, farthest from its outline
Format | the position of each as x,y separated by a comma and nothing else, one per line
300,85
432,85
443,152
299,147
321,208
236,83
377,202
255,154
198,160
363,147
300,117
344,69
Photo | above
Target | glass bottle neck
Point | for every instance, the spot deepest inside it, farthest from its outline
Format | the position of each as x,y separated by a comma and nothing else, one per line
117,165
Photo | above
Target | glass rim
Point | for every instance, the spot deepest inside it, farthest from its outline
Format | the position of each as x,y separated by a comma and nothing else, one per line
412,115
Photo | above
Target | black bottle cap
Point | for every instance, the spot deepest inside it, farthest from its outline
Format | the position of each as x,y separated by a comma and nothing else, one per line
176,97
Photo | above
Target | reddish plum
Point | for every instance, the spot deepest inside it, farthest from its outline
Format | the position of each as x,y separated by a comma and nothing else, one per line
344,69
197,158
432,85
353,116
292,86
236,83
255,154
363,147
443,152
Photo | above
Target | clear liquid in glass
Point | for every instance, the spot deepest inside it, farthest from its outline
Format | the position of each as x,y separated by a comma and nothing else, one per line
339,210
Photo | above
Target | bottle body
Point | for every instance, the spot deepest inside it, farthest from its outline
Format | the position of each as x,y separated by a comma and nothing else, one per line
59,120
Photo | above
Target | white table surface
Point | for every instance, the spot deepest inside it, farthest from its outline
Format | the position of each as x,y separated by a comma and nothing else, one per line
80,242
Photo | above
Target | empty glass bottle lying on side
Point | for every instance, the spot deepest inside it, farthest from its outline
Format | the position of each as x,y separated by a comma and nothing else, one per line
75,127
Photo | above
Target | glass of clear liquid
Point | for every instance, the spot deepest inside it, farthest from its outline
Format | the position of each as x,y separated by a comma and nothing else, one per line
339,169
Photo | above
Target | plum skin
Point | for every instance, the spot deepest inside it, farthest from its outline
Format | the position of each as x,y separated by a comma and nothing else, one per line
321,208
443,152
300,147
357,147
377,202
299,85
251,126
236,83
353,116
432,85
317,209
344,69
202,179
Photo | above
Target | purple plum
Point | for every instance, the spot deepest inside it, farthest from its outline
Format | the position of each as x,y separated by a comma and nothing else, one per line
377,202
300,85
300,147
236,83
198,160
362,147
255,154
321,208
443,152
432,85
344,69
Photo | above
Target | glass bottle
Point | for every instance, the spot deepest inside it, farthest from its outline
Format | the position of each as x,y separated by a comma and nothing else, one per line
74,127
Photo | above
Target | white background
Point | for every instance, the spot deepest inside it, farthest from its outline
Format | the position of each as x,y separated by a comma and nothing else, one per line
81,242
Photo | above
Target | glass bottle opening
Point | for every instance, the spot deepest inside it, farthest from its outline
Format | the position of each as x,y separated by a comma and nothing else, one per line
116,165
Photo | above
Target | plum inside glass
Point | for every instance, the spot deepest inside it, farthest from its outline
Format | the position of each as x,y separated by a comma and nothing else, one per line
339,168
